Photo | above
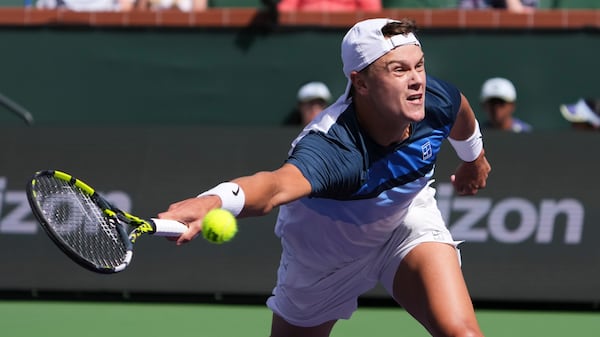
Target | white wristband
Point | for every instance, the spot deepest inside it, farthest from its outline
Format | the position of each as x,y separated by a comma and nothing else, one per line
469,149
231,194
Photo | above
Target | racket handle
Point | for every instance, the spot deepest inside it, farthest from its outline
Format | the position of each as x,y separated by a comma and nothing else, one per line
166,227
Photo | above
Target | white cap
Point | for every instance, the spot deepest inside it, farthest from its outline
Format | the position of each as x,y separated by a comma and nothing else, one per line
498,87
364,44
314,90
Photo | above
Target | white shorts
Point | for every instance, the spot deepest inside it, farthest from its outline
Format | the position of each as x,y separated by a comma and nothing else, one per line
307,296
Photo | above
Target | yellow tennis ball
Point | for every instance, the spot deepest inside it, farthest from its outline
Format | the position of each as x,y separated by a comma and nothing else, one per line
219,226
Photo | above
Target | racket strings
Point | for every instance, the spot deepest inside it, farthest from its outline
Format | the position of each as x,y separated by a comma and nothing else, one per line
78,221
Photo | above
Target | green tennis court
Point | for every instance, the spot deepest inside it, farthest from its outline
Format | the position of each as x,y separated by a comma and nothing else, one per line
91,319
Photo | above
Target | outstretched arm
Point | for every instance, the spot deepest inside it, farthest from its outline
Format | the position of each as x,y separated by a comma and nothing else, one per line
261,192
471,175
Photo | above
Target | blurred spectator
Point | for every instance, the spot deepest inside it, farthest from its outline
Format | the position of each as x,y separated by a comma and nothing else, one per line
583,114
329,5
88,5
182,5
312,98
498,97
516,6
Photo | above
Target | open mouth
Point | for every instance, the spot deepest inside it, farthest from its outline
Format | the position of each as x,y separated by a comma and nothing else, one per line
415,97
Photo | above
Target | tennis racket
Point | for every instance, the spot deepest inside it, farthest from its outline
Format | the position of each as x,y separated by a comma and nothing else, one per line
85,226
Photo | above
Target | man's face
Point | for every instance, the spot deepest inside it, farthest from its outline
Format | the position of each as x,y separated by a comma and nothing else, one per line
395,84
499,111
310,109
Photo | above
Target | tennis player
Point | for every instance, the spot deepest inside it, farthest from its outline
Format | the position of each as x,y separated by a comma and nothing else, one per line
357,207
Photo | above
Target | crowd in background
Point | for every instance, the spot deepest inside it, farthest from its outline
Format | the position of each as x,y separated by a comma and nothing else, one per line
515,6
518,6
123,5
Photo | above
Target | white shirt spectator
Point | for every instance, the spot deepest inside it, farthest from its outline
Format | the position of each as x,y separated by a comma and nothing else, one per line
86,5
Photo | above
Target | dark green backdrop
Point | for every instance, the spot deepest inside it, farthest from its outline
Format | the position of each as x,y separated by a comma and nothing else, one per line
241,77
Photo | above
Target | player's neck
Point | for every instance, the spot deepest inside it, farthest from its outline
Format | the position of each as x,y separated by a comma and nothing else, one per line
381,130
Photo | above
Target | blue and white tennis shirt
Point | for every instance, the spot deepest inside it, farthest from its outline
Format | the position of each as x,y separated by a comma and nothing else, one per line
361,190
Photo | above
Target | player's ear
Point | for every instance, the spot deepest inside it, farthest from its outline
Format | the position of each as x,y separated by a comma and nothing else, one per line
358,82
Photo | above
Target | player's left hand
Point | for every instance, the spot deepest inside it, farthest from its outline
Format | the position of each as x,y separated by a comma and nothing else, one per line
470,177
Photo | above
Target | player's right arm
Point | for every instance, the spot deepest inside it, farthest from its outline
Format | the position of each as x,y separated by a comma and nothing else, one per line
267,190
263,191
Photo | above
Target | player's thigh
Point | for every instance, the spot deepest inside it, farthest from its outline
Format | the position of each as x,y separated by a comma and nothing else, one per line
429,284
281,328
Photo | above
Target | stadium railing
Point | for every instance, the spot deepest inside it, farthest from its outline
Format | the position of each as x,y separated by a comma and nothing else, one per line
240,17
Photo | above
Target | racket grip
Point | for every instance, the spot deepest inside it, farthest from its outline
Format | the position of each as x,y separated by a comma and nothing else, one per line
166,227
